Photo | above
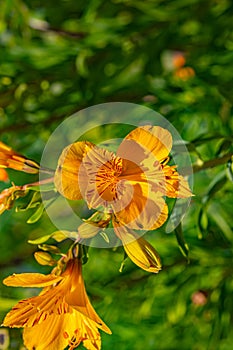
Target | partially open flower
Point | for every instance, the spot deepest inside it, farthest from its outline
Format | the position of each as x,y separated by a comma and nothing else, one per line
138,249
10,159
61,315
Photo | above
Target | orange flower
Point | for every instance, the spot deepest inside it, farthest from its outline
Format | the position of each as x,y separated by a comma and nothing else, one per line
131,184
10,159
61,315
185,73
3,175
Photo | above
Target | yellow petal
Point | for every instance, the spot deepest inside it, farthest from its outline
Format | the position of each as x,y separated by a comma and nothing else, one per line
35,310
176,185
139,250
78,299
145,209
31,280
59,331
67,173
144,140
88,230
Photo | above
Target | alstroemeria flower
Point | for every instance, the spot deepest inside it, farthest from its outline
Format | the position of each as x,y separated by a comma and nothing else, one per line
10,159
60,316
131,184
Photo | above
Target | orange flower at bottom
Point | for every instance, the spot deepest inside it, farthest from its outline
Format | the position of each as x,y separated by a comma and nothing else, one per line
60,316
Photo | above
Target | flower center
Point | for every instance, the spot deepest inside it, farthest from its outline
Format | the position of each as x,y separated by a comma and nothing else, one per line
107,179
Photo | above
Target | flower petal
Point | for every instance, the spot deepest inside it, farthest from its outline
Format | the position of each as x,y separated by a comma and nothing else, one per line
10,159
176,185
146,210
144,140
31,280
138,249
67,173
77,297
102,169
35,310
59,331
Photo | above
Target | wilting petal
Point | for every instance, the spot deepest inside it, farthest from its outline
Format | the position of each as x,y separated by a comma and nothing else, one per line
67,173
176,185
144,140
9,195
10,159
138,249
31,280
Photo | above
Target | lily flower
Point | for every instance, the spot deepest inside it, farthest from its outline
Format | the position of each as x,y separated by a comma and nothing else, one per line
131,184
61,315
10,159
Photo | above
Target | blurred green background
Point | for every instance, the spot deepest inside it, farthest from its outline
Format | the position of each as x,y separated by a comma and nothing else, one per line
57,57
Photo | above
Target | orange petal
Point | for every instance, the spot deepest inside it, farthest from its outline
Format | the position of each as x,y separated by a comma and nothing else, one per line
10,159
35,310
31,280
99,175
78,299
146,209
3,175
67,173
59,331
144,140
138,249
176,185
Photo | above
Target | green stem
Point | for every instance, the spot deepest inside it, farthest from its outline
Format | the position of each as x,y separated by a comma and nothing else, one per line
39,183
213,162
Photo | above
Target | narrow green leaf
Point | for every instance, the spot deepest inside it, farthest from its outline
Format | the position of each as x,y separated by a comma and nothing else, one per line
39,240
215,186
181,241
202,222
230,170
104,236
37,215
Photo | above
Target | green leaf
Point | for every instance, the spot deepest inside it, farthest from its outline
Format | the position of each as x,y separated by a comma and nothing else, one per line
105,236
181,241
215,186
230,170
34,202
217,214
39,240
37,215
202,222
